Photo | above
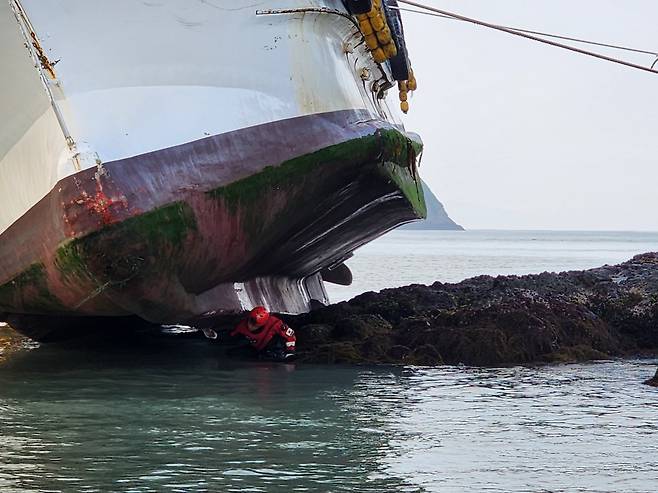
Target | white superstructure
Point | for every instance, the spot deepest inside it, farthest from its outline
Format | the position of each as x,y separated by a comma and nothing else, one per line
130,77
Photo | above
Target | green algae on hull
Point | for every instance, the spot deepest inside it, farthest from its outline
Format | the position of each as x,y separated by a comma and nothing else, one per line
411,188
271,206
389,145
390,152
29,291
163,228
249,189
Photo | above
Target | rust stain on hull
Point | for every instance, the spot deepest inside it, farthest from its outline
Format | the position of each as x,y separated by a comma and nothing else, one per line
108,208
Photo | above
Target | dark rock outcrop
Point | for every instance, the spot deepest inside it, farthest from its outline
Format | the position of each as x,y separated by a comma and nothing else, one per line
437,217
571,316
10,342
653,381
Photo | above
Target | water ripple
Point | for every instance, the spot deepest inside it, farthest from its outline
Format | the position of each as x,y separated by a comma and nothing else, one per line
206,428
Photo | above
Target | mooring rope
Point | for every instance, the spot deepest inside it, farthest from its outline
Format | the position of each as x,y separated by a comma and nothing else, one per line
533,35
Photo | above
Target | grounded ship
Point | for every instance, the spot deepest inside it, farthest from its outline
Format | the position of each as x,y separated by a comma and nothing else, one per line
176,160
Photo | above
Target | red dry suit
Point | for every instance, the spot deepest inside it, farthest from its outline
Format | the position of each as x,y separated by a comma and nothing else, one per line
263,335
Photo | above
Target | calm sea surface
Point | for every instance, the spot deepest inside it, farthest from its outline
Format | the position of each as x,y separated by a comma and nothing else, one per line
407,257
170,414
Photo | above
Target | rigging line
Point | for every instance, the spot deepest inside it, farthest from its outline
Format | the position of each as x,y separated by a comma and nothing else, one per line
548,35
531,37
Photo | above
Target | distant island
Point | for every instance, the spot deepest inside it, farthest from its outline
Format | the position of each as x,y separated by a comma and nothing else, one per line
437,217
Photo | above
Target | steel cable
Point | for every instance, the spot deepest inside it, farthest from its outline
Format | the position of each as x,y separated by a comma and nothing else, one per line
524,33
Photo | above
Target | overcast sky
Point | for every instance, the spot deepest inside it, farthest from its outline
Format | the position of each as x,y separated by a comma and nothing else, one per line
520,135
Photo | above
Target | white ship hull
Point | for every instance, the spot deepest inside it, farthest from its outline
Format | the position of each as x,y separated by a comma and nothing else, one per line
135,77
174,159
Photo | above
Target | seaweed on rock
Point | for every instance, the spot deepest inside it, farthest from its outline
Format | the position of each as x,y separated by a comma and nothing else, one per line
599,313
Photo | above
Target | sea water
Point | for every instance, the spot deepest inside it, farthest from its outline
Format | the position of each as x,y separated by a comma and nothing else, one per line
171,414
406,257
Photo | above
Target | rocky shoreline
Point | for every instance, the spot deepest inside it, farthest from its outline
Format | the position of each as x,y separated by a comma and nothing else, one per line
10,342
610,311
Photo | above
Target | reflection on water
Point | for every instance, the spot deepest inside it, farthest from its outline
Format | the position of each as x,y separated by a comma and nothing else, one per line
173,415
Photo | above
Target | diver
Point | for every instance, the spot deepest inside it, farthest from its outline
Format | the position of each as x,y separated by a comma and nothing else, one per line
268,335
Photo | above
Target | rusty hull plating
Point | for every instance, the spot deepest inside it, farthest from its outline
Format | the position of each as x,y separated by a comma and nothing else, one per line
210,227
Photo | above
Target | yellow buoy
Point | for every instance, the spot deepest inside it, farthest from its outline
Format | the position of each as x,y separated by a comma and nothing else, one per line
378,23
379,55
413,85
384,36
365,26
390,50
402,85
371,41
404,106
403,95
